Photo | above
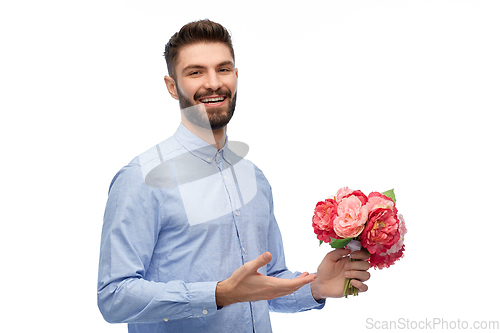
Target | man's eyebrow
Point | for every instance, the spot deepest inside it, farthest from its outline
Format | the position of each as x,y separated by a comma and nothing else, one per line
194,66
224,63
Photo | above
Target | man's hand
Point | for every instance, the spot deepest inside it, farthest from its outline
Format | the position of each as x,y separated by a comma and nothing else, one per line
248,285
333,270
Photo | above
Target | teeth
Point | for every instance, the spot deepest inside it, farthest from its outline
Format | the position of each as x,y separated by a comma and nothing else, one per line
215,99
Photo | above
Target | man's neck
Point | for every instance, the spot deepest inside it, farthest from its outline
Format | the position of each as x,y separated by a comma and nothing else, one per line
216,138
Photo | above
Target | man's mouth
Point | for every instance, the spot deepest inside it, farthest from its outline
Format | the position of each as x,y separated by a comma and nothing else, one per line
213,100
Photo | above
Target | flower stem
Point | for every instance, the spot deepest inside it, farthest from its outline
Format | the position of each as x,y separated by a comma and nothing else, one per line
349,289
347,282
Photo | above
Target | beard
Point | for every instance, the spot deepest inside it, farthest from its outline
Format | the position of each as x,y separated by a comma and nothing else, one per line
213,118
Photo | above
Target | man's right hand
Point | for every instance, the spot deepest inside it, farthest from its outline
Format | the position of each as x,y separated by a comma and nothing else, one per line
248,285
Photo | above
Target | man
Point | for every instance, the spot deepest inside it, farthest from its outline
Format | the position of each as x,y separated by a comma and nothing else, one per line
189,241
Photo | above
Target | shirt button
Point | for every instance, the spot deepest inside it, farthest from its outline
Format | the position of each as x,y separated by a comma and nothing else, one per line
208,159
236,212
165,319
204,311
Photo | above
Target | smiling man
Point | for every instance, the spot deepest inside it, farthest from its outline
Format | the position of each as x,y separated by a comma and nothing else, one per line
190,242
204,76
216,91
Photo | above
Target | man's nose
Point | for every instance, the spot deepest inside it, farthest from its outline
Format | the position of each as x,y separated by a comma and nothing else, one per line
212,81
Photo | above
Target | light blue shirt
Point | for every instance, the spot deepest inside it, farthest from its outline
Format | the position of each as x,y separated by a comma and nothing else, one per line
179,218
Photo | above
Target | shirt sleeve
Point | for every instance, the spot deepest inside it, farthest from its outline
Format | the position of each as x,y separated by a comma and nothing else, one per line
302,299
132,223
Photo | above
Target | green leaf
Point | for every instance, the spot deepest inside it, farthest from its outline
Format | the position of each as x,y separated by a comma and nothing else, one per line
320,242
339,243
390,194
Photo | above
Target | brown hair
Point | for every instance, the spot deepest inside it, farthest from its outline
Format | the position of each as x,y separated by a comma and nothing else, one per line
195,32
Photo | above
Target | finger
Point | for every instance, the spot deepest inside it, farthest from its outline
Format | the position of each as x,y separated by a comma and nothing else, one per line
302,275
357,266
306,277
337,254
360,255
297,282
361,286
358,275
281,287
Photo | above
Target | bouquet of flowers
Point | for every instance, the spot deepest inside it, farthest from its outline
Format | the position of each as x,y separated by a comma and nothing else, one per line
352,219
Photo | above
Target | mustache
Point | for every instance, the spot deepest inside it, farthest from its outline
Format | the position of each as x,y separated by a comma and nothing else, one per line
211,92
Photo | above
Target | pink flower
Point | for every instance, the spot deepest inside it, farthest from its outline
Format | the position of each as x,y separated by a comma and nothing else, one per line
352,215
346,192
342,193
322,220
378,200
381,231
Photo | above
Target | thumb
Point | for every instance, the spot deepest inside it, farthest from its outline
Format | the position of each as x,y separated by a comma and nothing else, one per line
337,254
262,260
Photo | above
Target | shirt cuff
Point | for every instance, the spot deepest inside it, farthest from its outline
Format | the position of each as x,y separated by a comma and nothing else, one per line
308,301
202,298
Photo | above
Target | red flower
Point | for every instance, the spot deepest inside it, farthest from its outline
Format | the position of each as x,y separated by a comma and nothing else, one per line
385,260
381,231
395,253
322,220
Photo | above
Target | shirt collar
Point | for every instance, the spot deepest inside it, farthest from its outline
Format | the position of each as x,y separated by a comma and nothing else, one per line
200,148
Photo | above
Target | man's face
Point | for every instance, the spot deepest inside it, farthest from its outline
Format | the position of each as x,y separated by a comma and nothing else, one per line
205,76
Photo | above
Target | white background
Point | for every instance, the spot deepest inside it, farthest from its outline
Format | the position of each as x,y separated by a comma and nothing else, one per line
367,94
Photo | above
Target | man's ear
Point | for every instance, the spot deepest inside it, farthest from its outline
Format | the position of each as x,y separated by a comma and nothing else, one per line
172,88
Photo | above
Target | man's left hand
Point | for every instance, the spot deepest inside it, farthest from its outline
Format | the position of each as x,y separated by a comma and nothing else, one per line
335,268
